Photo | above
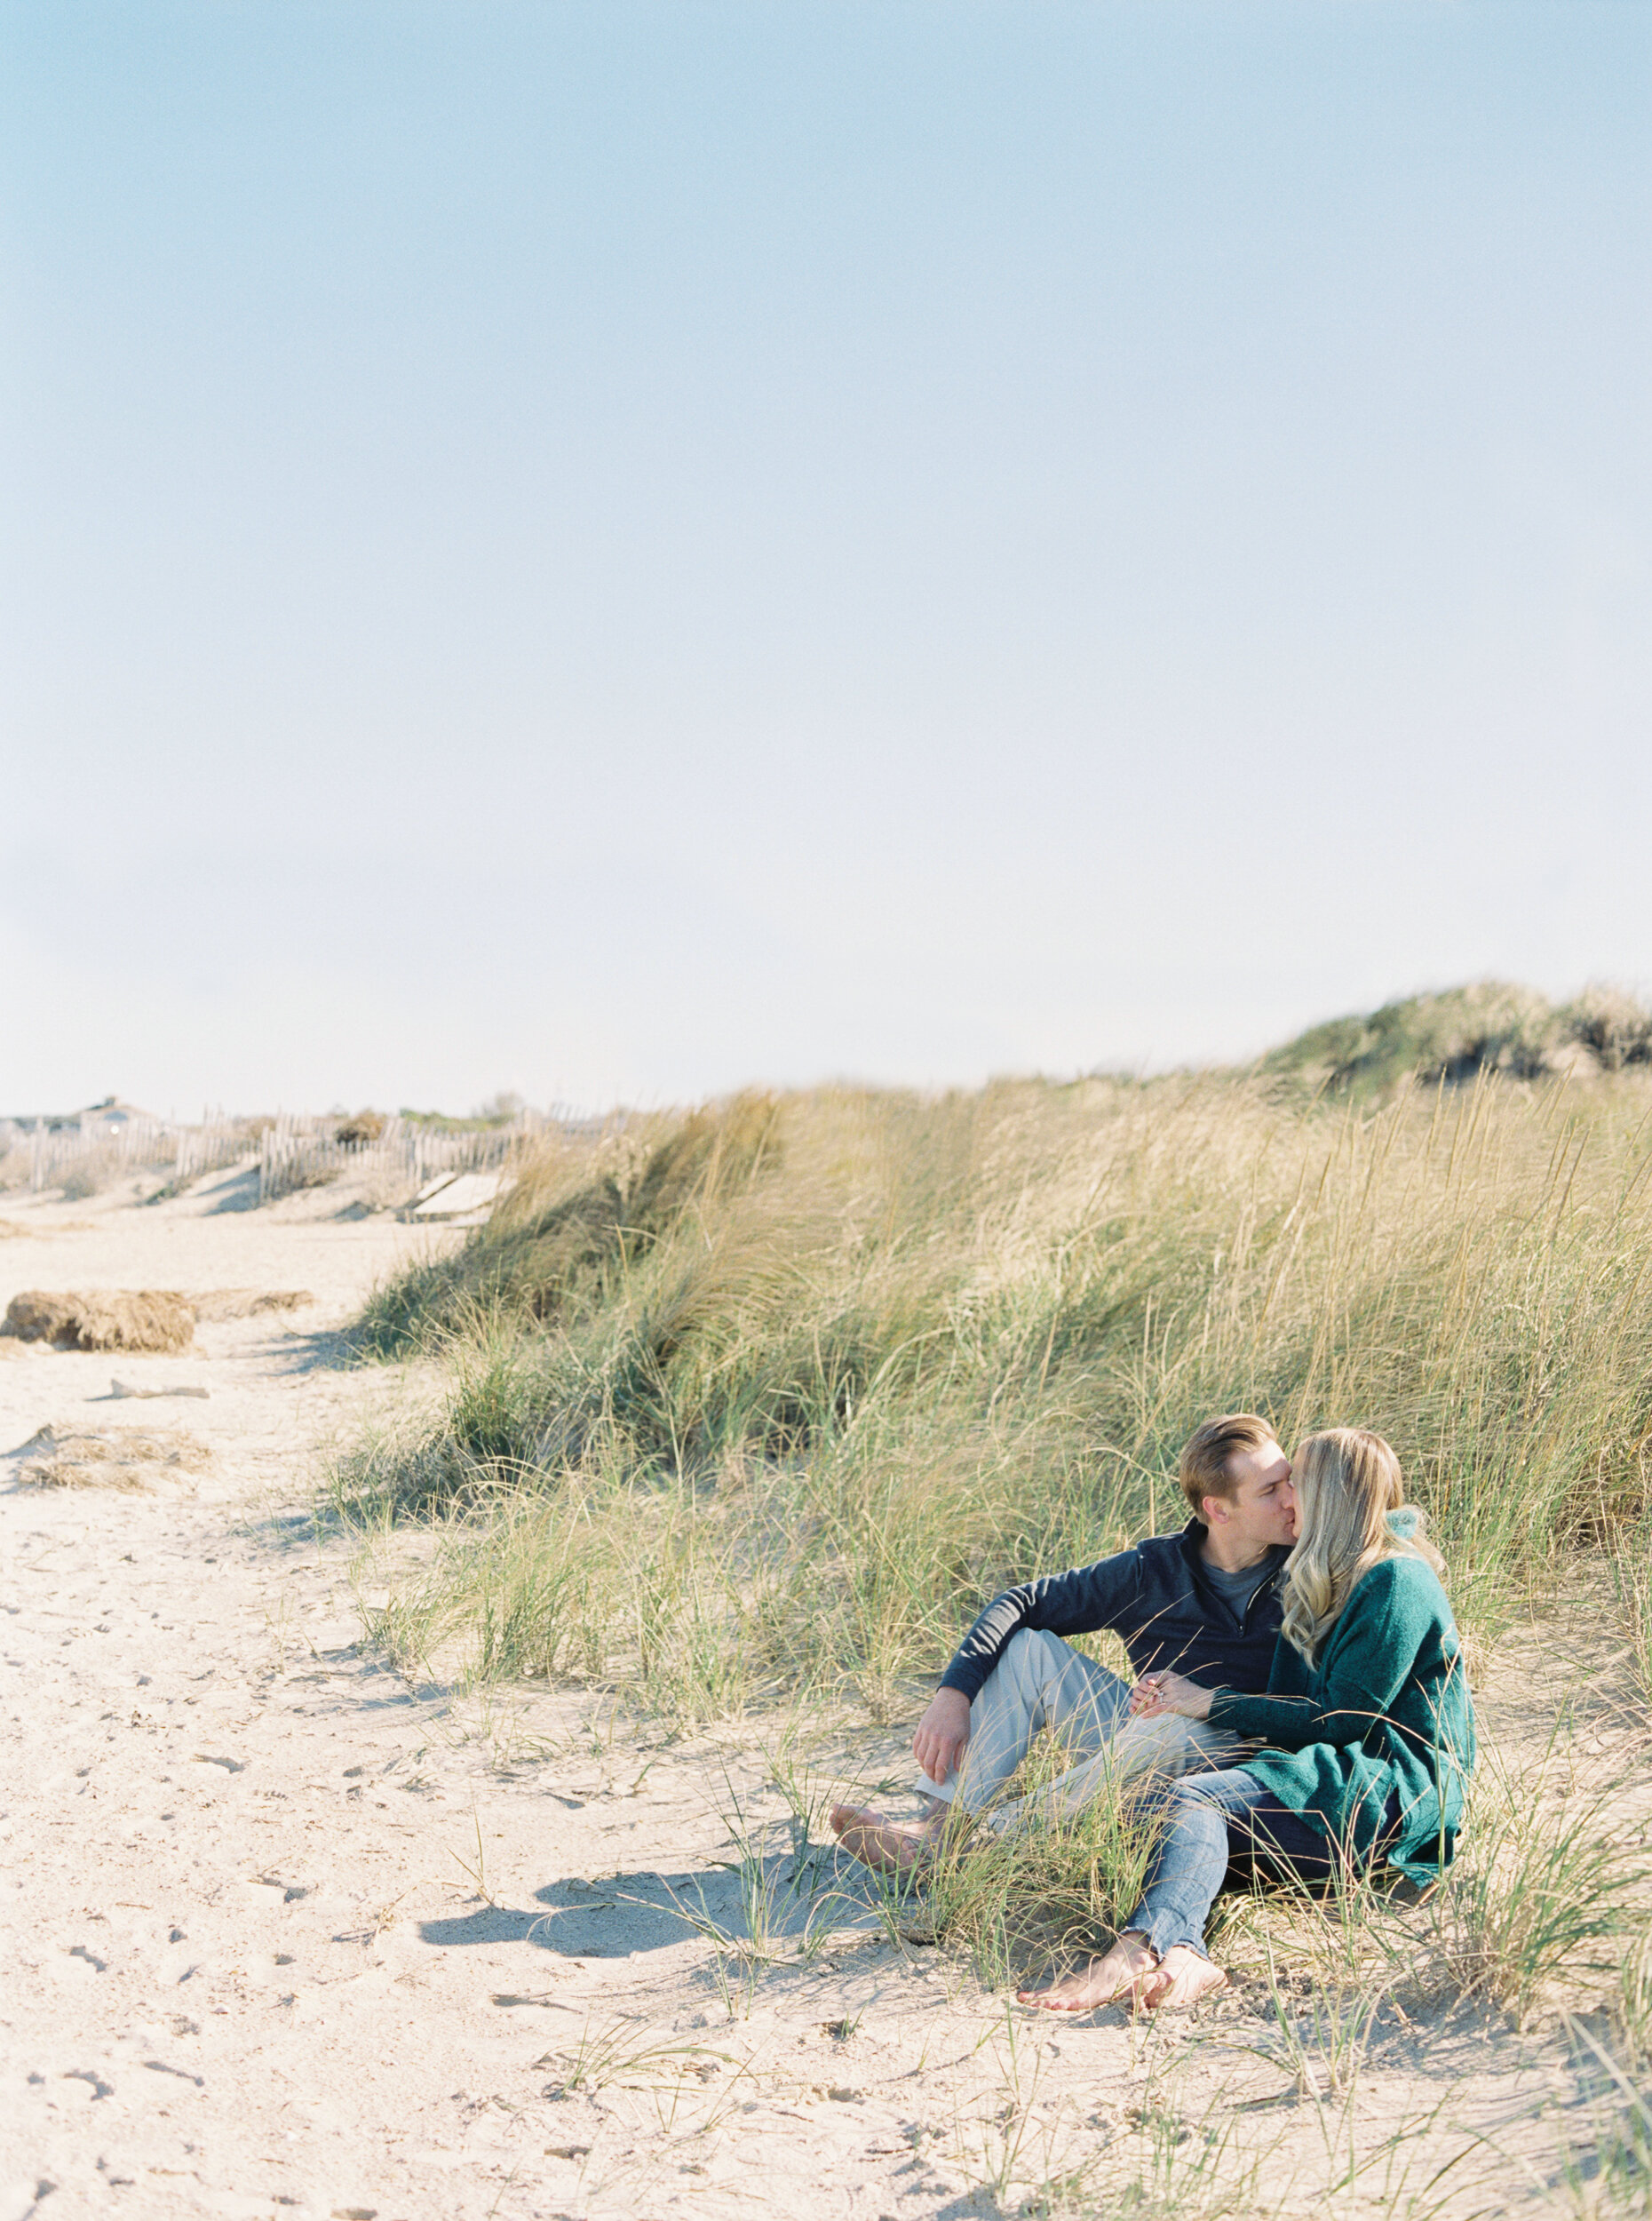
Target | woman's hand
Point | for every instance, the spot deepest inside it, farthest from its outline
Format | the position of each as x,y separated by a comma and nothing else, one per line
1157,1693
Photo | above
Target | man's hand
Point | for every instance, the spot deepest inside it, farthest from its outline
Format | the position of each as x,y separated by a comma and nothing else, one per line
942,1734
1157,1693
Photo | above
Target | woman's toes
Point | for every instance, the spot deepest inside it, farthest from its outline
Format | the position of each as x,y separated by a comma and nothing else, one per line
1182,1977
1103,1982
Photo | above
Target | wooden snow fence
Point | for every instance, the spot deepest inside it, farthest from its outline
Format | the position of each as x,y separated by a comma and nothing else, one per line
307,1152
292,1151
83,1154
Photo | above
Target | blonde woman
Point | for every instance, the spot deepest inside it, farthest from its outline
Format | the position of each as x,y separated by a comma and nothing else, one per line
1366,1724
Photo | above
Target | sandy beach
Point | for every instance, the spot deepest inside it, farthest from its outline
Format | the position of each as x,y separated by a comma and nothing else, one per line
291,1935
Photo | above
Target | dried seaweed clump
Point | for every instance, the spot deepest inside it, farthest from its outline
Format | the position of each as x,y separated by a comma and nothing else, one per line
220,1303
103,1319
126,1457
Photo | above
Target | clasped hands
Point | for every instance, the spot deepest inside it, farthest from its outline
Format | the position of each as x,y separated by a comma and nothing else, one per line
1156,1694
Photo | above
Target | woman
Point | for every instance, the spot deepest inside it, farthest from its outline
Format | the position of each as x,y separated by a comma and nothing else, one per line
1368,1726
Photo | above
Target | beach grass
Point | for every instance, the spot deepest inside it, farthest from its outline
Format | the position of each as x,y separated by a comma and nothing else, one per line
770,1396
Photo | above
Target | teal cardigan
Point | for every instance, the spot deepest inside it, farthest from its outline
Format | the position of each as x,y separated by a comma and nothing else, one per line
1385,1710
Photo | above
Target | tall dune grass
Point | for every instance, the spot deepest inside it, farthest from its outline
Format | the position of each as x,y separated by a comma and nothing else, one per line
775,1394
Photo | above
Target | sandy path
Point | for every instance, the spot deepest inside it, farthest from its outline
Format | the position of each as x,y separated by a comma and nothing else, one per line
250,1974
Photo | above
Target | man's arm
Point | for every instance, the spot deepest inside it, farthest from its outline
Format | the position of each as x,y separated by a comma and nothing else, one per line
1089,1597
1077,1602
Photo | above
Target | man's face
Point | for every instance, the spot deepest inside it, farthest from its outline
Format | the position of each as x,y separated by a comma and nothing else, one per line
1262,1509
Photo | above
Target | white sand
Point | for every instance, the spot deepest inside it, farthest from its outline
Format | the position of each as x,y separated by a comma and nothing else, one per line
249,1972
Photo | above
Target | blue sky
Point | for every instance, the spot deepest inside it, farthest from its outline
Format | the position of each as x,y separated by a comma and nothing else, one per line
624,550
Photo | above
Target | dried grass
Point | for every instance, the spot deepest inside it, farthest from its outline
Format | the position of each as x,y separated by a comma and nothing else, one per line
131,1458
157,1319
216,1304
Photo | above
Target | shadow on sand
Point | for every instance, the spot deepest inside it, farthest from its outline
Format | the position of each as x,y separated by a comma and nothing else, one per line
779,1901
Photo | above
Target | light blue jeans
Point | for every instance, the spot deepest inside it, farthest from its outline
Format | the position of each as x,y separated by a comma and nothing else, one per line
1040,1682
1204,1821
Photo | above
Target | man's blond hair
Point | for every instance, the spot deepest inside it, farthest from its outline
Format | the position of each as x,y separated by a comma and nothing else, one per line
1205,1455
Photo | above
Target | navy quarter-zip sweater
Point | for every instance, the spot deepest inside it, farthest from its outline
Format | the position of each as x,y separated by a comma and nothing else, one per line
1155,1598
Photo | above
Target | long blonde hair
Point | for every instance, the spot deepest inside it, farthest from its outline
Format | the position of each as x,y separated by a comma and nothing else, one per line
1347,1482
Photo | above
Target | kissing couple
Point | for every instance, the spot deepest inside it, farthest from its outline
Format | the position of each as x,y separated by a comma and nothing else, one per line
1299,1708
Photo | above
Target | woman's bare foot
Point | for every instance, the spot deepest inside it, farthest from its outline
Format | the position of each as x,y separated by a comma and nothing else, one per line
886,1844
1181,1978
1123,1972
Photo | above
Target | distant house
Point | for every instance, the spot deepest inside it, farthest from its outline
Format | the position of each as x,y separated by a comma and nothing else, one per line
109,1117
114,1113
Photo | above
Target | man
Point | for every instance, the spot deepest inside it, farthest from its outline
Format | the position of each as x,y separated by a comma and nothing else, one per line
1204,1602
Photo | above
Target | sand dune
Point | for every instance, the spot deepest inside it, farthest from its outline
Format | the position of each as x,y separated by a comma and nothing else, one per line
291,1935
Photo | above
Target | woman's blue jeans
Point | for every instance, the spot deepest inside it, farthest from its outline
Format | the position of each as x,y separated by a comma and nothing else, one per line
1207,1821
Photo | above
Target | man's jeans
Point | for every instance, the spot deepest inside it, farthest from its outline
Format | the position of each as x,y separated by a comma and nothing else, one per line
1039,1682
1205,1824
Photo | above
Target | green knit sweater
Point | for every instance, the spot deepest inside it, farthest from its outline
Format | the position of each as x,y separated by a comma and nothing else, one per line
1384,1711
